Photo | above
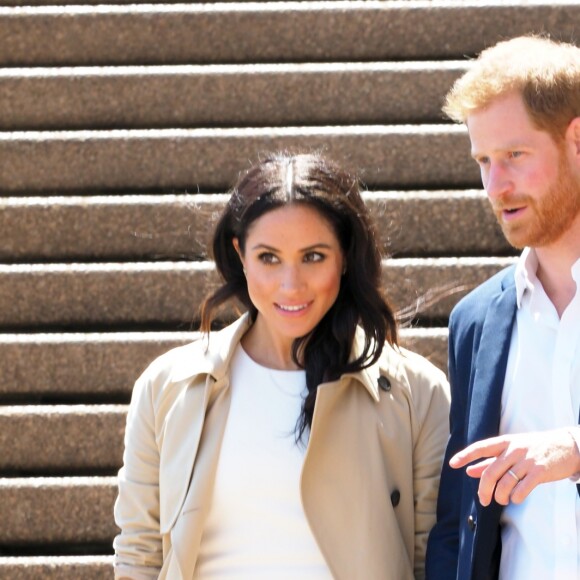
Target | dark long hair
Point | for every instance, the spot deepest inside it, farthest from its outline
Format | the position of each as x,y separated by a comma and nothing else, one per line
312,181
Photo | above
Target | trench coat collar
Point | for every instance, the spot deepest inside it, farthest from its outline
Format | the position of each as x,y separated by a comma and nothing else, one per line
220,346
390,363
218,350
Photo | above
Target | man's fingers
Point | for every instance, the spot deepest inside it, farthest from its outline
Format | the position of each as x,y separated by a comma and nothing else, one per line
477,469
521,491
506,486
486,448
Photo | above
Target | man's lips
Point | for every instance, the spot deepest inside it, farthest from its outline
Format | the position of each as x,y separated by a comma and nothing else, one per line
510,213
513,213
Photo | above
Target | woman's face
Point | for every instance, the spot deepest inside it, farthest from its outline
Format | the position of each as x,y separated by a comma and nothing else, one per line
294,263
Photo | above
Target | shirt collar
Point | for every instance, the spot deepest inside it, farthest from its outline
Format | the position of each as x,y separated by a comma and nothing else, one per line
576,273
525,274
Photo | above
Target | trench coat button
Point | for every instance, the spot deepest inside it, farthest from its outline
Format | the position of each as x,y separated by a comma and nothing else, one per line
396,498
471,523
384,383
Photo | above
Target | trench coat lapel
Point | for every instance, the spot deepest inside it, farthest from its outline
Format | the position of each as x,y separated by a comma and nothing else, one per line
192,435
187,531
184,423
339,437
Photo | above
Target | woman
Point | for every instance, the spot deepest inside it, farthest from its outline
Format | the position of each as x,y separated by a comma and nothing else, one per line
300,441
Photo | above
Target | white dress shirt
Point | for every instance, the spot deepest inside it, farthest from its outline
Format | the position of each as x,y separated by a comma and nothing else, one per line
541,536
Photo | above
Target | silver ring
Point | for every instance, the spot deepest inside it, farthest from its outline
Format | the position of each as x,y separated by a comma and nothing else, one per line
514,475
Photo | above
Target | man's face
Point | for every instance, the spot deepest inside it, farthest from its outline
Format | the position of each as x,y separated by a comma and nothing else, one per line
532,184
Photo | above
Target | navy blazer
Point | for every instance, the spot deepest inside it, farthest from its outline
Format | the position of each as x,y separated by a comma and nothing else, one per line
465,543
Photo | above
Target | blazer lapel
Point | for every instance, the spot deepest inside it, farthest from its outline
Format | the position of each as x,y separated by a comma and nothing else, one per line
491,363
485,405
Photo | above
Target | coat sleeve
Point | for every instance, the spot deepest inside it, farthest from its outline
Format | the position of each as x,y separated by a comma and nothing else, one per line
138,546
432,406
443,545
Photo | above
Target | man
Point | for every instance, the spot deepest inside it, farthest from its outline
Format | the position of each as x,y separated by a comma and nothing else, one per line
514,342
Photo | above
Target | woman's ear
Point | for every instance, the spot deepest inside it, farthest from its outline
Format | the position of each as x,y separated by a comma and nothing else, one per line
236,245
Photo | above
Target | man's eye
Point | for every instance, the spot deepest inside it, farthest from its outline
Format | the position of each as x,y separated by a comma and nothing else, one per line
516,154
268,258
313,257
482,160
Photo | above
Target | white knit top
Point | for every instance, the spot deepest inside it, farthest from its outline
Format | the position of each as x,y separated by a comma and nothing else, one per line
256,528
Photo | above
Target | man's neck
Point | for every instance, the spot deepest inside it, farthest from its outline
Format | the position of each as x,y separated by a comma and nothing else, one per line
554,268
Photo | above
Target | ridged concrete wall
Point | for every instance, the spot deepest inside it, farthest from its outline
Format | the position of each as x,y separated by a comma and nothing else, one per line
122,127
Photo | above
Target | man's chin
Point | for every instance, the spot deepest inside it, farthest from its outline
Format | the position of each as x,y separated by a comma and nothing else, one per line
516,239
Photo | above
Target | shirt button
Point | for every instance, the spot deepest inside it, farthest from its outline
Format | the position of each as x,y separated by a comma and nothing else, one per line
471,523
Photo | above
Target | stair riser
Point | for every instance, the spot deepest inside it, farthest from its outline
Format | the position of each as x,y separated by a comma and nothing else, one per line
179,227
185,160
141,294
82,367
188,34
319,95
58,511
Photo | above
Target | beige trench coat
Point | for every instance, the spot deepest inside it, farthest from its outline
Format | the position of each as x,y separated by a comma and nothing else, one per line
369,481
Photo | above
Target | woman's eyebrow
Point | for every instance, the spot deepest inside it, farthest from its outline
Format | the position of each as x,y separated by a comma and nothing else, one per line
320,245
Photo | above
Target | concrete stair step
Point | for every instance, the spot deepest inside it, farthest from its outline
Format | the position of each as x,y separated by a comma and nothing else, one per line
78,366
57,568
271,31
89,367
170,227
211,159
88,438
224,95
54,511
169,293
61,438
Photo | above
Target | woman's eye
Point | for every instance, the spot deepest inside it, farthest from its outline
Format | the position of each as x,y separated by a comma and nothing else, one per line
268,258
313,257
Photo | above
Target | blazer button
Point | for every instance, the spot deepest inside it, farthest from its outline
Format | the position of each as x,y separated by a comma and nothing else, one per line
396,498
384,383
471,523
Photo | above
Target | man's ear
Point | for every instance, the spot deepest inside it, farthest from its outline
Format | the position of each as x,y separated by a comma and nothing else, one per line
573,137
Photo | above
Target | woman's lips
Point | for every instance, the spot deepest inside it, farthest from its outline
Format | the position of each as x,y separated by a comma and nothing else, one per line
292,309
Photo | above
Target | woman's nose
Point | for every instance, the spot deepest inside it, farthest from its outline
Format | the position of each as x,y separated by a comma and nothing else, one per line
292,278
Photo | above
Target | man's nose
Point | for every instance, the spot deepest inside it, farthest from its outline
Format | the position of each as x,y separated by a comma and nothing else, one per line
496,181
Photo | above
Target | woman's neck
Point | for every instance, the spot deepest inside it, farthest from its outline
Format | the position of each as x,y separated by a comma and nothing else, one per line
267,350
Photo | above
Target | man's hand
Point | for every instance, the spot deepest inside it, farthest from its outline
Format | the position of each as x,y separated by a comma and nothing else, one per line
513,465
